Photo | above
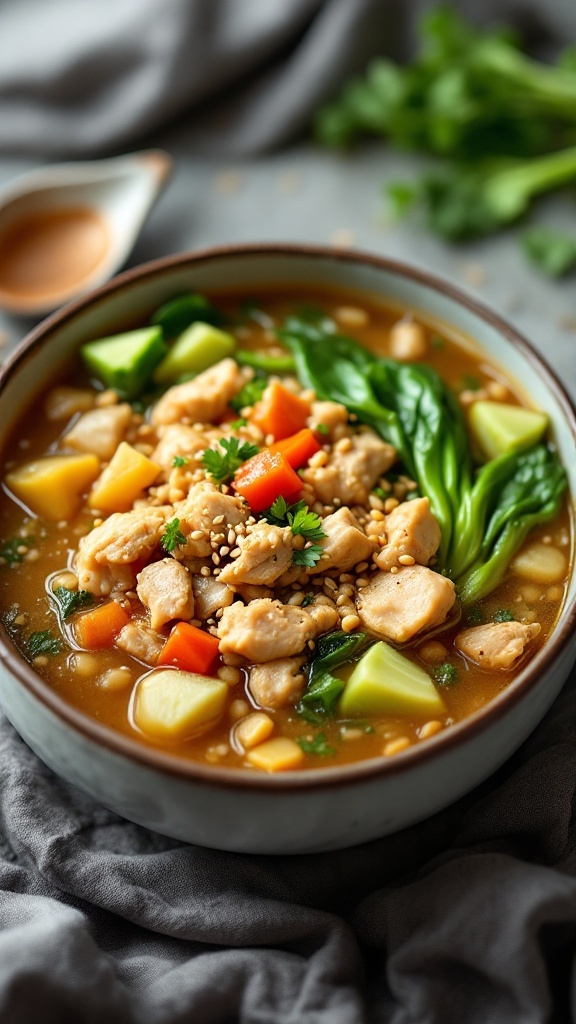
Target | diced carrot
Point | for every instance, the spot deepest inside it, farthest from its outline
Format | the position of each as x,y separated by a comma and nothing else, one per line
190,649
298,448
100,626
280,412
264,477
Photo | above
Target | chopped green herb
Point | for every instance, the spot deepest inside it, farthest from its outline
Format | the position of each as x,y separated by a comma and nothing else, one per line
236,424
303,522
222,466
317,745
504,615
172,536
445,675
249,395
474,615
43,642
380,493
9,549
179,460
70,601
307,556
553,252
322,428
309,599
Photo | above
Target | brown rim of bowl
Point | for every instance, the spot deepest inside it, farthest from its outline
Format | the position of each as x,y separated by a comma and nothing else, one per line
318,778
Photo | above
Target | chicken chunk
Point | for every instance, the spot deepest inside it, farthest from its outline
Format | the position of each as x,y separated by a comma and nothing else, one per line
397,606
329,414
200,513
278,683
345,543
100,431
210,595
103,561
165,588
267,630
140,642
179,439
411,529
203,399
497,645
350,473
265,552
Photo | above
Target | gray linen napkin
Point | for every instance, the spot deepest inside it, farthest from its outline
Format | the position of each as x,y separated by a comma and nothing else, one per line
469,918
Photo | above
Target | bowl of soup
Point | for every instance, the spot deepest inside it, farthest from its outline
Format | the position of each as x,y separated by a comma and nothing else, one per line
286,544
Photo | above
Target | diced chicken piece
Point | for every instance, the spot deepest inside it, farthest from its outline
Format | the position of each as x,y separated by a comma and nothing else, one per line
497,645
324,616
100,431
210,595
165,588
179,439
103,561
411,529
279,683
248,592
329,414
265,553
349,475
138,640
63,402
345,543
267,630
397,606
203,399
197,515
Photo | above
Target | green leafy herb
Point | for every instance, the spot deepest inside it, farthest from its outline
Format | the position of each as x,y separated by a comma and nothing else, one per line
321,428
236,424
308,600
306,524
445,675
69,601
249,395
308,557
222,465
504,615
43,642
553,252
317,745
380,493
179,460
324,688
172,536
9,549
474,615
484,516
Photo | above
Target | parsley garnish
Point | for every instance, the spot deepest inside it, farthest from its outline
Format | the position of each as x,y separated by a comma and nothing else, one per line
70,601
321,428
306,524
504,615
221,467
303,523
307,556
9,551
309,599
446,674
317,745
172,536
179,460
43,642
249,395
236,424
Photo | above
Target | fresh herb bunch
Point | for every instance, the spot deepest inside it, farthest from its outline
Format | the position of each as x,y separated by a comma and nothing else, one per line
221,465
470,95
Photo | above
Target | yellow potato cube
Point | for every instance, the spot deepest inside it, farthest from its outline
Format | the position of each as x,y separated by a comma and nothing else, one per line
254,729
127,474
174,705
52,487
277,755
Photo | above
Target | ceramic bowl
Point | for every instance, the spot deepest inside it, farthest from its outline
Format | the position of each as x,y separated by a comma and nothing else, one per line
320,809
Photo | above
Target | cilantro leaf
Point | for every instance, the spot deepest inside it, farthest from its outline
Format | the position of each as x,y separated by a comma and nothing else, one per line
504,615
306,524
317,745
9,549
276,514
179,460
236,424
250,394
70,601
308,556
172,536
446,674
43,642
309,599
221,467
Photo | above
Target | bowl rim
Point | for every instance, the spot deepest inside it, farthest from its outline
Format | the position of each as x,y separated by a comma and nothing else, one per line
326,777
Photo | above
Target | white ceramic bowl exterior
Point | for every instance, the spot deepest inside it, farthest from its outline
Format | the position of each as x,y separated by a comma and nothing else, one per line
320,809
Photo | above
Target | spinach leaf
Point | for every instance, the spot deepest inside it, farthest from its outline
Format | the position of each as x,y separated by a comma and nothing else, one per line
324,688
70,601
43,642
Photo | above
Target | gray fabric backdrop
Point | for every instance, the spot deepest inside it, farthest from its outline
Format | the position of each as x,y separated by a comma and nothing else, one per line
469,917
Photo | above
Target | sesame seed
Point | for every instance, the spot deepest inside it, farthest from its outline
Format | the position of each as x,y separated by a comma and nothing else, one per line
204,571
407,560
197,535
350,622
